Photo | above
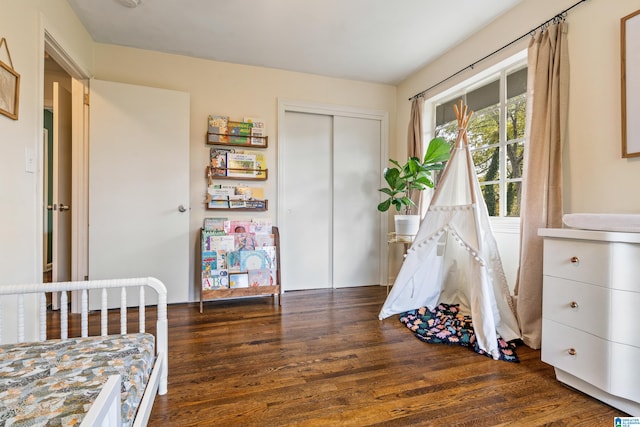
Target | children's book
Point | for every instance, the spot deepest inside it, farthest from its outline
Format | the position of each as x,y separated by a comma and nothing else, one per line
241,165
217,204
256,204
218,124
207,283
248,193
246,260
215,138
221,259
239,128
217,193
204,241
257,124
233,261
270,252
217,130
219,279
258,130
209,263
264,240
238,281
261,226
237,226
214,225
237,204
222,243
252,260
218,160
244,241
260,163
260,277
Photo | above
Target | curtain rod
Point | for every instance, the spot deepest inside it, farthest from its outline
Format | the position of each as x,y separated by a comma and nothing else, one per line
560,16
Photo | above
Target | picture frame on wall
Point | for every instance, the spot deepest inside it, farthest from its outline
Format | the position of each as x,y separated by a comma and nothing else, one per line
9,85
630,79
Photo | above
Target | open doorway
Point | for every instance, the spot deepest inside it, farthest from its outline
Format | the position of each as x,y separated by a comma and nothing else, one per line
63,167
57,161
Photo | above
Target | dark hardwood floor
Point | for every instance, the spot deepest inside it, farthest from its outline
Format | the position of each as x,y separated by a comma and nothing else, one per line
324,359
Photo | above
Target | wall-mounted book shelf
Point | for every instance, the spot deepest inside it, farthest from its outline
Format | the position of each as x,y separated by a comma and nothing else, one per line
225,139
237,173
229,161
261,207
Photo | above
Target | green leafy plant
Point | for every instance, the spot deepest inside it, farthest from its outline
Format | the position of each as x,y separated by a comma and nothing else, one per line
414,175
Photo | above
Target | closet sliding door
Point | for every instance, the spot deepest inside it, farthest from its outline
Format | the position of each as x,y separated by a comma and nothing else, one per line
356,180
329,174
305,184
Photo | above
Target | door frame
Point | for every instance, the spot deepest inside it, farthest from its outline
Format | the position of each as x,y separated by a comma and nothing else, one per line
80,148
291,105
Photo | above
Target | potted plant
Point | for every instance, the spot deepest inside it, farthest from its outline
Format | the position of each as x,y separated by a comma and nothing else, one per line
414,176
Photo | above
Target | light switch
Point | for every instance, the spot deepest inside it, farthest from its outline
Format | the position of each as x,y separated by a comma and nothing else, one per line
29,160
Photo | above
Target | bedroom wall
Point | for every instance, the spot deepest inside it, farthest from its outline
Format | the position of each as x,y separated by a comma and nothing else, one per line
22,23
236,91
596,177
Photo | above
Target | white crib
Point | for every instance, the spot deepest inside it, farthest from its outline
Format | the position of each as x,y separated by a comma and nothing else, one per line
106,409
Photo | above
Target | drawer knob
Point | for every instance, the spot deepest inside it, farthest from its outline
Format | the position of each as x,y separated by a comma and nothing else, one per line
573,304
575,260
572,351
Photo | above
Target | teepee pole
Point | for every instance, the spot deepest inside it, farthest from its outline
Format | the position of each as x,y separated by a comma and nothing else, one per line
461,142
471,172
463,123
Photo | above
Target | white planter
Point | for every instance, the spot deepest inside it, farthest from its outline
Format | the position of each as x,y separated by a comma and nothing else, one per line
407,225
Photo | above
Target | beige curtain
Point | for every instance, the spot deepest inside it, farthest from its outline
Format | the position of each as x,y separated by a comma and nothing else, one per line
548,88
414,142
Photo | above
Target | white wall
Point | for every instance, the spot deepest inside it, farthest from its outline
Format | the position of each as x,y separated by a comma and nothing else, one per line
236,91
596,177
22,23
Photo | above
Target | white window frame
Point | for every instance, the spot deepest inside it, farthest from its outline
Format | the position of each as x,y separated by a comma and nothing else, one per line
501,224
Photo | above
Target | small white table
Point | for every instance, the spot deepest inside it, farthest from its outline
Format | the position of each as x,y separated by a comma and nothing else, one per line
393,240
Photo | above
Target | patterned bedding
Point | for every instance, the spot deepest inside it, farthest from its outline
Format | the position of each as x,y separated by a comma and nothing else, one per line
53,383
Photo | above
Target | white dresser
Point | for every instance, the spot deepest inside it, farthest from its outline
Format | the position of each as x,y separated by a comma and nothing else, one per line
590,313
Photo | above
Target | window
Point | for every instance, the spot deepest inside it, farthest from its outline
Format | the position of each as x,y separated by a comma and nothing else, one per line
495,133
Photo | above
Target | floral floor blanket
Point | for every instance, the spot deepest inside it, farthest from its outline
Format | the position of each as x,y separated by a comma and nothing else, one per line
54,383
446,325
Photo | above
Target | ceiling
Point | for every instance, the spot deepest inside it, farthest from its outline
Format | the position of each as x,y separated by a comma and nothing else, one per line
380,41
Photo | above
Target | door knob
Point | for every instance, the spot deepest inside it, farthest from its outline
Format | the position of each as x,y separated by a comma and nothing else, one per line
181,208
63,207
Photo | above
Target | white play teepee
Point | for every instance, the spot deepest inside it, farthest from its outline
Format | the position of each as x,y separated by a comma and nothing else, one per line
454,258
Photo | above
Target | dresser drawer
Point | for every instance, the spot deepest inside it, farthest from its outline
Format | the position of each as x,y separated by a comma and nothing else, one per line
579,305
579,260
590,360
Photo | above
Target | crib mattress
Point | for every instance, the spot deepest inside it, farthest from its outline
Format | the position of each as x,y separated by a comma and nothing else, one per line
53,383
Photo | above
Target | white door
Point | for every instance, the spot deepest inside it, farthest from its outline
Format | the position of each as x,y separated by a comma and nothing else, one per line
61,185
329,178
357,222
139,186
306,201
